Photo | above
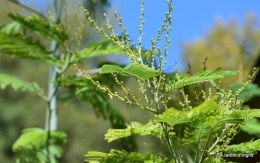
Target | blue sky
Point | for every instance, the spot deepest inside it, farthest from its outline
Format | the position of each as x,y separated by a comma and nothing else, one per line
191,20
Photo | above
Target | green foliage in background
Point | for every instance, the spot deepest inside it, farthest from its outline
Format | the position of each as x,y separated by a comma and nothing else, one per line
17,84
26,37
35,145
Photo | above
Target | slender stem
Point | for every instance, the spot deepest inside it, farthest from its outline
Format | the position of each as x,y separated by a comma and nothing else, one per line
88,72
164,126
169,143
218,139
198,146
51,117
207,142
51,122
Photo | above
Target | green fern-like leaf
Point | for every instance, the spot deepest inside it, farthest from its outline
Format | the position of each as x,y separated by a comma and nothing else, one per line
16,84
208,117
23,46
117,156
11,27
134,128
173,116
250,89
203,76
193,121
84,90
45,28
216,122
33,143
250,147
252,127
135,70
232,117
101,48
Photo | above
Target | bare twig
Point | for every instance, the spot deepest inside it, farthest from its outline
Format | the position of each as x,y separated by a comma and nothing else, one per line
88,72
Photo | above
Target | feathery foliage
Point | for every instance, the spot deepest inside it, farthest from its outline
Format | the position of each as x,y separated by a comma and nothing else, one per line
18,44
84,90
122,156
250,148
104,47
16,84
134,128
202,76
173,116
46,29
34,145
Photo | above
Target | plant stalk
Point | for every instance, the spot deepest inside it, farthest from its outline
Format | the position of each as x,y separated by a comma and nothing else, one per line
52,110
51,121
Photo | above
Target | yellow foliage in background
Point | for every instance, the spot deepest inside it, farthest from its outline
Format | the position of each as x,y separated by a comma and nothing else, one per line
230,46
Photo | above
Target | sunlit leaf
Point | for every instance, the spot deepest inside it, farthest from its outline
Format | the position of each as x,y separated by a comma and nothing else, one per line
135,70
117,156
173,116
134,128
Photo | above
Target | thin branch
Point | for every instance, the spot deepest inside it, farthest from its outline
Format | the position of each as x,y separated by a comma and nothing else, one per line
44,97
88,72
218,139
28,8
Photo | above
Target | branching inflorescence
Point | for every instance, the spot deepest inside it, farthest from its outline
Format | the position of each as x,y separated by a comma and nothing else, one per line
208,125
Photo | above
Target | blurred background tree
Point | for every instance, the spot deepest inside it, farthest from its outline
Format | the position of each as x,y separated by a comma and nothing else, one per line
229,45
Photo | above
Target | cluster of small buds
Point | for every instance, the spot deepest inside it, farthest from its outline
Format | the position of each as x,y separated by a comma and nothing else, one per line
98,85
189,69
130,99
141,27
232,130
143,90
78,35
186,102
230,99
210,93
150,54
203,95
197,97
205,63
135,56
